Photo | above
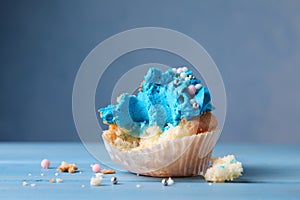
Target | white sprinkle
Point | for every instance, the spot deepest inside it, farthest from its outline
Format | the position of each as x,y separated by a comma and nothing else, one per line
174,70
183,75
170,181
29,174
32,184
42,174
59,180
83,186
209,184
80,172
192,101
185,69
138,186
187,78
56,174
25,183
198,86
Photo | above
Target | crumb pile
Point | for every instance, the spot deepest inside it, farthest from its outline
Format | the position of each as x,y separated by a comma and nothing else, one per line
224,169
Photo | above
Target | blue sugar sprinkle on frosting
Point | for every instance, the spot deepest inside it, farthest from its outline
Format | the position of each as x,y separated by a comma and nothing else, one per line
163,101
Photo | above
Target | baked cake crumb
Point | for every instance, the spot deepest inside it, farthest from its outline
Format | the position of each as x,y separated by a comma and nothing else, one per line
224,169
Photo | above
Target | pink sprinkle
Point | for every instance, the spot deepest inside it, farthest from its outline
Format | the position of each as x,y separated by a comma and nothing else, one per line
192,90
179,70
96,168
45,164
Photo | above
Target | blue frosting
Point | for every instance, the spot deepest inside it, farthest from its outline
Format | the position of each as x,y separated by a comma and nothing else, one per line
165,98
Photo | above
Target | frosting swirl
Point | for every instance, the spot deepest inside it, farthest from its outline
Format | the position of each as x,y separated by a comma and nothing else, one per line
163,100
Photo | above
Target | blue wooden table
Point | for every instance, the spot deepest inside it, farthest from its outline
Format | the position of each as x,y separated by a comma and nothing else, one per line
270,172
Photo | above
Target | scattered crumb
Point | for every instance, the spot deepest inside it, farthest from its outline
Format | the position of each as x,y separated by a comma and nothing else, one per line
83,186
25,183
224,169
108,171
80,172
29,174
99,174
59,180
66,167
209,184
52,180
32,184
138,186
138,174
96,181
56,174
42,174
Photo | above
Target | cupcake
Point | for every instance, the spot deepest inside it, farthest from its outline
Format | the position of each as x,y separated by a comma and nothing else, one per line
166,129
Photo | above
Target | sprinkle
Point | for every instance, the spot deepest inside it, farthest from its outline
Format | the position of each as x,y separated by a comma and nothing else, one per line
209,184
176,82
108,171
170,181
185,69
187,78
25,183
45,164
138,186
29,174
179,70
114,180
59,180
164,182
52,180
174,70
56,174
80,172
195,105
222,166
32,184
83,186
192,101
42,174
96,168
232,161
183,75
192,90
198,86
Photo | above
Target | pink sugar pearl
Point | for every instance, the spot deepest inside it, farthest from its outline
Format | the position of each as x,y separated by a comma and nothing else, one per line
179,70
192,90
45,164
96,168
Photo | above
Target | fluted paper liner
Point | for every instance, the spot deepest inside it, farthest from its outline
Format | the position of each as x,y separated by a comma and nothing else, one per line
187,156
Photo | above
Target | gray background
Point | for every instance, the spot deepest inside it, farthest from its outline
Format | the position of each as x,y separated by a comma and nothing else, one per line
255,44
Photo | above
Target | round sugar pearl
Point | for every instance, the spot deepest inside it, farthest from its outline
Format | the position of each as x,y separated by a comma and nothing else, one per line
179,70
185,69
198,86
114,180
96,168
45,164
192,90
183,75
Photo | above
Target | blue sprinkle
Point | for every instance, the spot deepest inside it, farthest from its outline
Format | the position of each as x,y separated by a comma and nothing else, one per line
222,166
232,161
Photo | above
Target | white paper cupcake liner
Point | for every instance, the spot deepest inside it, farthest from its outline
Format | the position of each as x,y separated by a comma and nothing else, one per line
187,156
